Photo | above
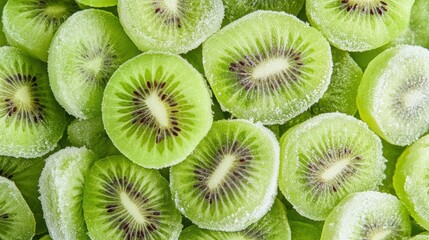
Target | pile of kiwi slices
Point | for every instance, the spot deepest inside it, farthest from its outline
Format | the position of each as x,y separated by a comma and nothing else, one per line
214,119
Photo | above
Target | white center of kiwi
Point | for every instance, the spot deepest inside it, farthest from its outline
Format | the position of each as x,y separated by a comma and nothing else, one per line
381,234
95,65
334,170
132,208
158,109
271,67
172,5
221,171
22,96
413,98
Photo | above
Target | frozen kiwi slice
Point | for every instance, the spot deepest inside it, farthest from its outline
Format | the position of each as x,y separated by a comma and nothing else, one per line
393,97
16,219
31,24
175,26
235,9
355,25
229,181
267,67
25,174
98,3
61,192
155,113
125,201
84,53
422,236
367,215
326,158
31,121
304,231
273,226
91,134
411,180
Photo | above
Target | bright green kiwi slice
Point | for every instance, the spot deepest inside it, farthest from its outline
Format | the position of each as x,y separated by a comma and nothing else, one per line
125,201
98,3
304,231
273,226
229,181
25,174
16,219
355,25
84,53
393,97
31,121
324,159
411,180
267,67
61,192
154,113
368,215
422,236
31,24
175,26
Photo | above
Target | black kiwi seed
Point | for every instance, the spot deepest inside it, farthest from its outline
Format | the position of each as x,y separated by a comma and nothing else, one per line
373,8
170,18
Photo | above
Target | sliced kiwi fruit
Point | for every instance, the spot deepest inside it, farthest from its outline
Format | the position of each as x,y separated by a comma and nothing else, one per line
125,201
98,3
156,114
356,26
91,134
84,53
16,219
393,97
267,67
229,181
175,26
25,174
235,9
411,180
31,24
273,226
31,121
367,215
324,159
61,187
422,236
304,231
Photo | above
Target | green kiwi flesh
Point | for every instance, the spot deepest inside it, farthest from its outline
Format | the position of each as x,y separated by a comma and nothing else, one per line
3,40
156,115
324,159
422,236
31,121
267,67
229,181
98,3
125,201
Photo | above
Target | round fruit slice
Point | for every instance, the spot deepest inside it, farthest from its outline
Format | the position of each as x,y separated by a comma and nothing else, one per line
267,67
229,181
175,26
31,24
125,201
326,158
61,192
31,121
355,25
411,180
155,113
16,219
393,97
84,53
367,215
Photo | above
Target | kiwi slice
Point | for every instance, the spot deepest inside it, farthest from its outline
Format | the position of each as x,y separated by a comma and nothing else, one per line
91,134
16,219
411,180
304,231
235,9
175,26
61,192
25,174
156,114
326,158
393,97
273,226
356,26
422,236
125,201
229,181
84,53
31,121
31,24
367,215
98,3
267,67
